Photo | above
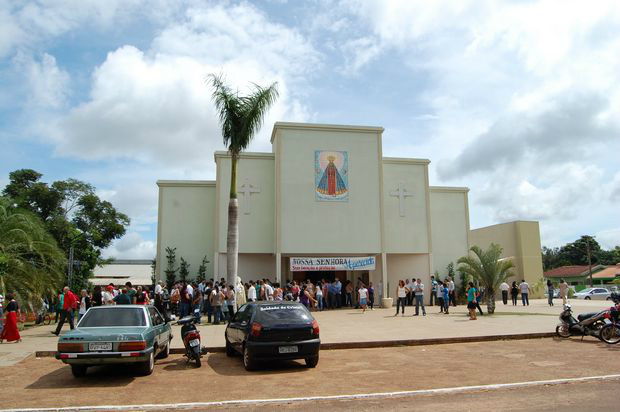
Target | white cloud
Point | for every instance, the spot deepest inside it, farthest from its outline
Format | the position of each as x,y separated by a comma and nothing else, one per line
156,107
48,85
608,239
131,246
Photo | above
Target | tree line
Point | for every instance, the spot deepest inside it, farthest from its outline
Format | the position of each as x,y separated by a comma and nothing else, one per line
41,222
576,253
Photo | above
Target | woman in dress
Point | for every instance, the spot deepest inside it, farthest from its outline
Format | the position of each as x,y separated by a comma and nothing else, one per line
362,295
550,290
10,333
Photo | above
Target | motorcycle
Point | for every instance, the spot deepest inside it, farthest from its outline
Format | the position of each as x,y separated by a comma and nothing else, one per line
586,323
610,333
191,339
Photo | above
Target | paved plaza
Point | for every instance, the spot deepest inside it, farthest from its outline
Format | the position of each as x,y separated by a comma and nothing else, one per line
350,325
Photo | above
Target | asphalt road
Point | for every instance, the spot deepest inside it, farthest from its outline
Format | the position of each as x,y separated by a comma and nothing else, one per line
47,382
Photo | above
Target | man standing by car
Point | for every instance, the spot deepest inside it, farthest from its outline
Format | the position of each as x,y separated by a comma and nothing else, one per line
69,303
504,287
419,297
525,292
433,290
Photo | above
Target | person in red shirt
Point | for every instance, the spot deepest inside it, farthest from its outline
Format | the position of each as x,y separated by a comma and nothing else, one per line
70,302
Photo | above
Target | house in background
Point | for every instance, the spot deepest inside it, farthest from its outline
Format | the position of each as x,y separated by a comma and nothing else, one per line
579,274
120,271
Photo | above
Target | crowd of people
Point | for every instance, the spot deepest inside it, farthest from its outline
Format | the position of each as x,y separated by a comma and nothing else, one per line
219,301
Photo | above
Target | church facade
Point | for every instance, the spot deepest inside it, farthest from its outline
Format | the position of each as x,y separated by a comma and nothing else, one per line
324,203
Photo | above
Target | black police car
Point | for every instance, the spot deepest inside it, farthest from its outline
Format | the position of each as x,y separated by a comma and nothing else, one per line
273,330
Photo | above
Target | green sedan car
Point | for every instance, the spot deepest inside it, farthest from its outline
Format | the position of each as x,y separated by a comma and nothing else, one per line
116,334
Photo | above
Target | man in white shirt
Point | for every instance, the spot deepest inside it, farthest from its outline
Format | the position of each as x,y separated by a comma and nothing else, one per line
252,292
451,293
268,291
563,291
410,285
418,289
525,292
504,287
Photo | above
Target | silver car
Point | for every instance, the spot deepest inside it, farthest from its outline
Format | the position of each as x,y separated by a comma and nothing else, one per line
594,294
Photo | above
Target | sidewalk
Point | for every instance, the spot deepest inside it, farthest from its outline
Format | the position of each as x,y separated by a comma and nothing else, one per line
350,325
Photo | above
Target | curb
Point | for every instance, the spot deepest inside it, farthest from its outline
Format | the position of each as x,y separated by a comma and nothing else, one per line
377,344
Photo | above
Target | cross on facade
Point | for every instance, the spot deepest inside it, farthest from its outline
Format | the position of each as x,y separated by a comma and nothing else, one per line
401,193
246,190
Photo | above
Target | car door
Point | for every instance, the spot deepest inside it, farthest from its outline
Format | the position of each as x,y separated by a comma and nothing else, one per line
600,293
156,324
235,326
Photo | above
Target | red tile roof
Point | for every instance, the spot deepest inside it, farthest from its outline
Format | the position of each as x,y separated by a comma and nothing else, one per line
607,273
566,271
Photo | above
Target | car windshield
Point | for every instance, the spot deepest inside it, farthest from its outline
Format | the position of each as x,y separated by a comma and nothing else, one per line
113,317
283,314
587,290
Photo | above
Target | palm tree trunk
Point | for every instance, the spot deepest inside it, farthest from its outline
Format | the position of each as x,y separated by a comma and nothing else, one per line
490,301
232,239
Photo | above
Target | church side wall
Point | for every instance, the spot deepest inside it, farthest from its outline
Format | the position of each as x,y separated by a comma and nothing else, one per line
407,266
407,233
252,266
256,210
187,222
450,223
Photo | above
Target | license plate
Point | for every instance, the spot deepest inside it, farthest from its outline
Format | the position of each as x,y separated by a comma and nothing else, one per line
288,349
194,342
100,347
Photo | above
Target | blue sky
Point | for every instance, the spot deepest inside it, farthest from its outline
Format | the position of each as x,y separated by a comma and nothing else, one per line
519,101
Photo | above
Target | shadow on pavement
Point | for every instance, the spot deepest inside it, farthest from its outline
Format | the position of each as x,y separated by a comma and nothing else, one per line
97,376
223,365
179,364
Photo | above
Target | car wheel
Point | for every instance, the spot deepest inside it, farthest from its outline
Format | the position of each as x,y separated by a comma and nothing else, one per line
78,371
312,361
248,362
146,368
587,298
165,352
230,351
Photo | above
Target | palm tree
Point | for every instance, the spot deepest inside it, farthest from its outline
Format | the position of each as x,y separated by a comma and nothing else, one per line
31,264
240,118
488,269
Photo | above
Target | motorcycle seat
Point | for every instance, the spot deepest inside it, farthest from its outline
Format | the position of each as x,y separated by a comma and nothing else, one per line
585,316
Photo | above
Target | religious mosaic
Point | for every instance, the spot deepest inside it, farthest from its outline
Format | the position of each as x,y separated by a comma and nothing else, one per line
331,175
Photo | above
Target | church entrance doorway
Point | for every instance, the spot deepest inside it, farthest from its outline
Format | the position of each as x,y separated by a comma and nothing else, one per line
317,275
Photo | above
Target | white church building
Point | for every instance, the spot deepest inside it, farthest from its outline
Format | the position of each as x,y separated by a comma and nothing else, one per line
326,203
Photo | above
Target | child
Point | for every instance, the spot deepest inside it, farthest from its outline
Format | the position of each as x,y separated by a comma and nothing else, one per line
446,297
439,291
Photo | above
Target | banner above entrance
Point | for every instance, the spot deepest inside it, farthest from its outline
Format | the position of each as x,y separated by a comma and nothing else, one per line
305,264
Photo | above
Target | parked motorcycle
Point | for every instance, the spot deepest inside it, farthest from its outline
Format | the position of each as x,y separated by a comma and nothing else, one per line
191,339
610,333
586,323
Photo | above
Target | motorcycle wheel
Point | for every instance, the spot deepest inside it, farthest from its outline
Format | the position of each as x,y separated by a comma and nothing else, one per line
610,334
198,362
562,331
196,356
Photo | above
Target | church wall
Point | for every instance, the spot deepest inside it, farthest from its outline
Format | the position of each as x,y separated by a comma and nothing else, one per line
520,241
406,266
256,214
450,223
252,266
310,226
408,233
186,220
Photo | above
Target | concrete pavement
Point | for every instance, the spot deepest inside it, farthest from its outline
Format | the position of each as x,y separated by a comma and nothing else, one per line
350,325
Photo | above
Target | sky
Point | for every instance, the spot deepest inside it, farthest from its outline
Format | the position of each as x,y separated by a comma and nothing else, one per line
517,100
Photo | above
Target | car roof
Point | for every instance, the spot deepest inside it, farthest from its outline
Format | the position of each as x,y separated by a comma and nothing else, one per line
119,307
275,302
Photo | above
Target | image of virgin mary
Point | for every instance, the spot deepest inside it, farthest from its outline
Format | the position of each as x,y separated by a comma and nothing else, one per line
331,182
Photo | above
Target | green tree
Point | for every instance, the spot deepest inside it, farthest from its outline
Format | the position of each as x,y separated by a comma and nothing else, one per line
31,264
240,119
73,214
184,270
202,270
576,253
171,271
488,269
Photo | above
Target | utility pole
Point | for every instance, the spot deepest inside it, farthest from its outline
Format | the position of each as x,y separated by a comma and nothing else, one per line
589,260
70,268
